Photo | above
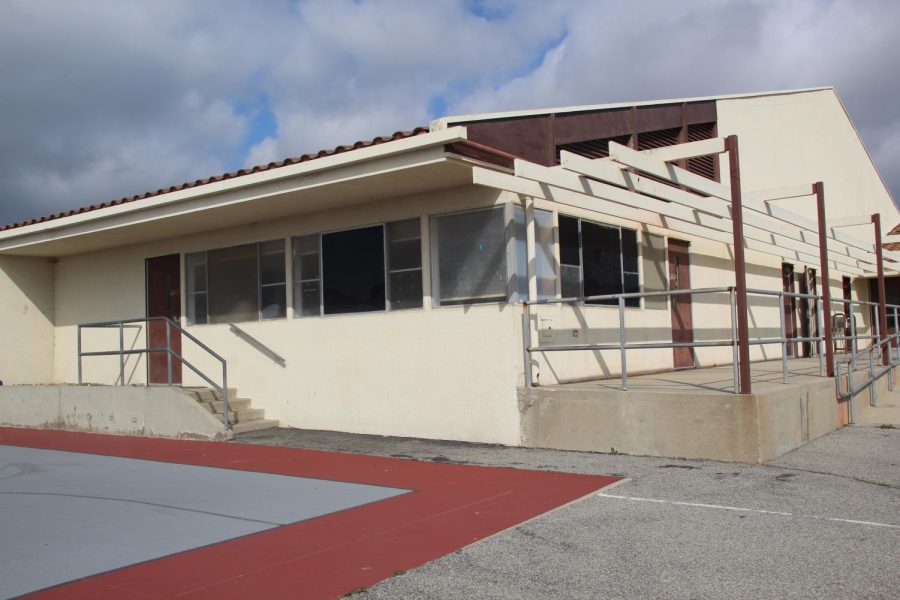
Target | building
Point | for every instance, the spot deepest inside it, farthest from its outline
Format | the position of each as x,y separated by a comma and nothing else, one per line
378,288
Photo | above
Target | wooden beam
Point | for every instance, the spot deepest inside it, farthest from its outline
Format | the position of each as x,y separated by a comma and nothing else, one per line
740,266
677,175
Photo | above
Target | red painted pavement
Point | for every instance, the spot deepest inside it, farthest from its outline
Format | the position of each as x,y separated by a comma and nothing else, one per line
325,557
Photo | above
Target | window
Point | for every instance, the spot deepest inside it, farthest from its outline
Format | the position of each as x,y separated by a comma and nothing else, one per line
307,284
597,260
240,283
353,271
544,262
405,264
358,270
469,257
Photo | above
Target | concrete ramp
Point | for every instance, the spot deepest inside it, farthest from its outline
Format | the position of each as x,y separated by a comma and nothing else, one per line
687,414
133,410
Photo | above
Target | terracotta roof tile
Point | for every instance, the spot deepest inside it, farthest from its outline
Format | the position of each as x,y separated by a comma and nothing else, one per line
239,173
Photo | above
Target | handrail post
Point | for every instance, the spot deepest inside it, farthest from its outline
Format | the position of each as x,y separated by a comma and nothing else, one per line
225,395
79,354
853,345
820,339
734,342
169,350
872,398
121,353
526,344
622,342
784,360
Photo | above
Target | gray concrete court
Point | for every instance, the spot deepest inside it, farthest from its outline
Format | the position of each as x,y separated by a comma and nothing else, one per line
66,515
820,522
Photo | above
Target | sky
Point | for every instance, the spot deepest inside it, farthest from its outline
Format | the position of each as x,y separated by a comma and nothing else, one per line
108,98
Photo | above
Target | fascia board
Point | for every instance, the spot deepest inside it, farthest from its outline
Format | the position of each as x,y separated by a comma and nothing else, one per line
377,151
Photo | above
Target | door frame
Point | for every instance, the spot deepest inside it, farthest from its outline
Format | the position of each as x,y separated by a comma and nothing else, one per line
682,358
175,340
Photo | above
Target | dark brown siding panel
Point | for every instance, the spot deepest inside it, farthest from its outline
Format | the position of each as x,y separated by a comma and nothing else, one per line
704,165
654,118
579,127
528,138
700,112
592,148
658,139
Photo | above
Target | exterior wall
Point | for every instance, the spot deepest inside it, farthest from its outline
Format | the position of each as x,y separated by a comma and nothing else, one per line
26,320
448,372
794,139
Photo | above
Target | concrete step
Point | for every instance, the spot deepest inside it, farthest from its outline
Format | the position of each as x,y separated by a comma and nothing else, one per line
237,404
250,414
254,425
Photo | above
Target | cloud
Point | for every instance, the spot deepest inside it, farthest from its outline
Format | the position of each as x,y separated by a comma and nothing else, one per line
106,98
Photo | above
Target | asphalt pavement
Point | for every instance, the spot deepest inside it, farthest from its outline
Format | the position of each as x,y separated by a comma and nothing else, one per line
820,522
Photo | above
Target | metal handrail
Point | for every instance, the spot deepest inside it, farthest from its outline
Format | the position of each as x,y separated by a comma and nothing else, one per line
277,358
170,353
623,346
851,361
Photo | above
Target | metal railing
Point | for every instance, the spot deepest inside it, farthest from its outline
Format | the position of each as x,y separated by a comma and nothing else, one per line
623,346
875,354
171,354
277,358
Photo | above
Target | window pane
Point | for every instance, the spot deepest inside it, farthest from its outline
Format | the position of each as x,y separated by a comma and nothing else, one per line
273,302
404,245
545,264
471,257
306,257
306,275
571,281
569,253
406,289
630,266
521,253
197,314
233,284
195,272
602,263
353,270
306,298
271,262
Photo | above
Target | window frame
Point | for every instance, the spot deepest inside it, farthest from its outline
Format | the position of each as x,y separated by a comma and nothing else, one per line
509,253
619,228
386,271
189,296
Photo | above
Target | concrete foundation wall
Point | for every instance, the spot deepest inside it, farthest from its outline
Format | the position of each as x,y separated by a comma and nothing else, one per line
150,411
730,427
26,320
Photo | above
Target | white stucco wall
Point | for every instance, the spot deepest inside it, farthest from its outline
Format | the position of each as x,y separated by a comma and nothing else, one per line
800,138
448,372
26,320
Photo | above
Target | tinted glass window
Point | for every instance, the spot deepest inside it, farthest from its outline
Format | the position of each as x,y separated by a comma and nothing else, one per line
353,270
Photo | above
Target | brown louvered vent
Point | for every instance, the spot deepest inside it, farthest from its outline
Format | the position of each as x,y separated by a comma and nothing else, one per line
648,140
704,165
592,148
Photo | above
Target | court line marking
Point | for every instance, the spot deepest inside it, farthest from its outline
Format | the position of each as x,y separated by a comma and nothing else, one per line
750,510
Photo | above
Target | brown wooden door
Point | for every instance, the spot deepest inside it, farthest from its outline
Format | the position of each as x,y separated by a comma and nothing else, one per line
163,300
682,322
790,307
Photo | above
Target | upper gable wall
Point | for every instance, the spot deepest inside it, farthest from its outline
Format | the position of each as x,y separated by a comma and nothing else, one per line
794,139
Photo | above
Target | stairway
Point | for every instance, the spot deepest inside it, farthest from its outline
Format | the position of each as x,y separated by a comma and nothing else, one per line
241,415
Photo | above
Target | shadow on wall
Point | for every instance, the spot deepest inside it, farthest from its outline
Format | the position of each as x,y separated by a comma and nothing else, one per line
33,277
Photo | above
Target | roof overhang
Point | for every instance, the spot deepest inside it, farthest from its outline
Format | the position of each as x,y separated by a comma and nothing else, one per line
403,167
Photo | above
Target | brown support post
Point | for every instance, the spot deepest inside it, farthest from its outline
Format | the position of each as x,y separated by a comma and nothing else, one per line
819,191
740,267
882,298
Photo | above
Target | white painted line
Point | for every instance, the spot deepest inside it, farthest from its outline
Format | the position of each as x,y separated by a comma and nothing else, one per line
750,510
